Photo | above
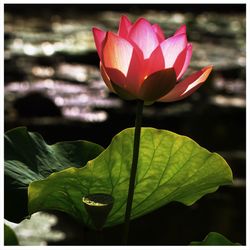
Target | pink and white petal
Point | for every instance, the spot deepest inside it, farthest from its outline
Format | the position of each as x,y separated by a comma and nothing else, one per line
160,34
136,72
182,61
129,83
172,47
187,86
143,35
157,85
181,30
113,87
124,93
124,26
179,62
117,83
106,78
116,77
99,37
117,53
154,63
189,51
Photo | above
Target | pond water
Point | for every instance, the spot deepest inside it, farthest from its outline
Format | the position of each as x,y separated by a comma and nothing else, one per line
53,86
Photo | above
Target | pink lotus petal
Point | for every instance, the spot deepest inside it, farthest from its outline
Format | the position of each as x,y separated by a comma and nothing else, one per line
187,86
124,27
179,62
116,77
157,85
136,74
160,34
122,63
105,78
182,61
99,37
143,35
187,61
119,83
172,47
181,30
117,53
154,63
124,93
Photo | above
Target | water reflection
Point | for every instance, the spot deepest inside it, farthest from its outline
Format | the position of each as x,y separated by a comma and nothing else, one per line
77,102
42,72
51,54
72,36
230,86
37,230
228,102
77,72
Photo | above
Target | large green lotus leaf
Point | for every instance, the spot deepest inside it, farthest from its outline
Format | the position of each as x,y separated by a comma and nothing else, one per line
28,158
214,239
171,167
10,238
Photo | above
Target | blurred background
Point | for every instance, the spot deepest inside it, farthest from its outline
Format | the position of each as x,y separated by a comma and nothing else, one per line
53,86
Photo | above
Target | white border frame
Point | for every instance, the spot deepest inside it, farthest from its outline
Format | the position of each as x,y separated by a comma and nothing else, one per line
2,2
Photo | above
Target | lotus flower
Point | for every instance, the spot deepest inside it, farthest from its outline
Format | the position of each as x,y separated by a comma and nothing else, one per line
140,63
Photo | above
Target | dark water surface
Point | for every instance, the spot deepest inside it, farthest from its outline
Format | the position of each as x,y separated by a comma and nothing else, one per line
53,86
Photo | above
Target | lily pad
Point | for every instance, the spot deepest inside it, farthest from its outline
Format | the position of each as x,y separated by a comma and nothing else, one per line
171,167
214,239
28,158
10,238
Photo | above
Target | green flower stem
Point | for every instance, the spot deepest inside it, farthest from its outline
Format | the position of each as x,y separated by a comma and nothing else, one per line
137,134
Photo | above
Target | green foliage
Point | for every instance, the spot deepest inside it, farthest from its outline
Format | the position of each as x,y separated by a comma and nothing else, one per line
214,239
10,238
28,158
170,168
